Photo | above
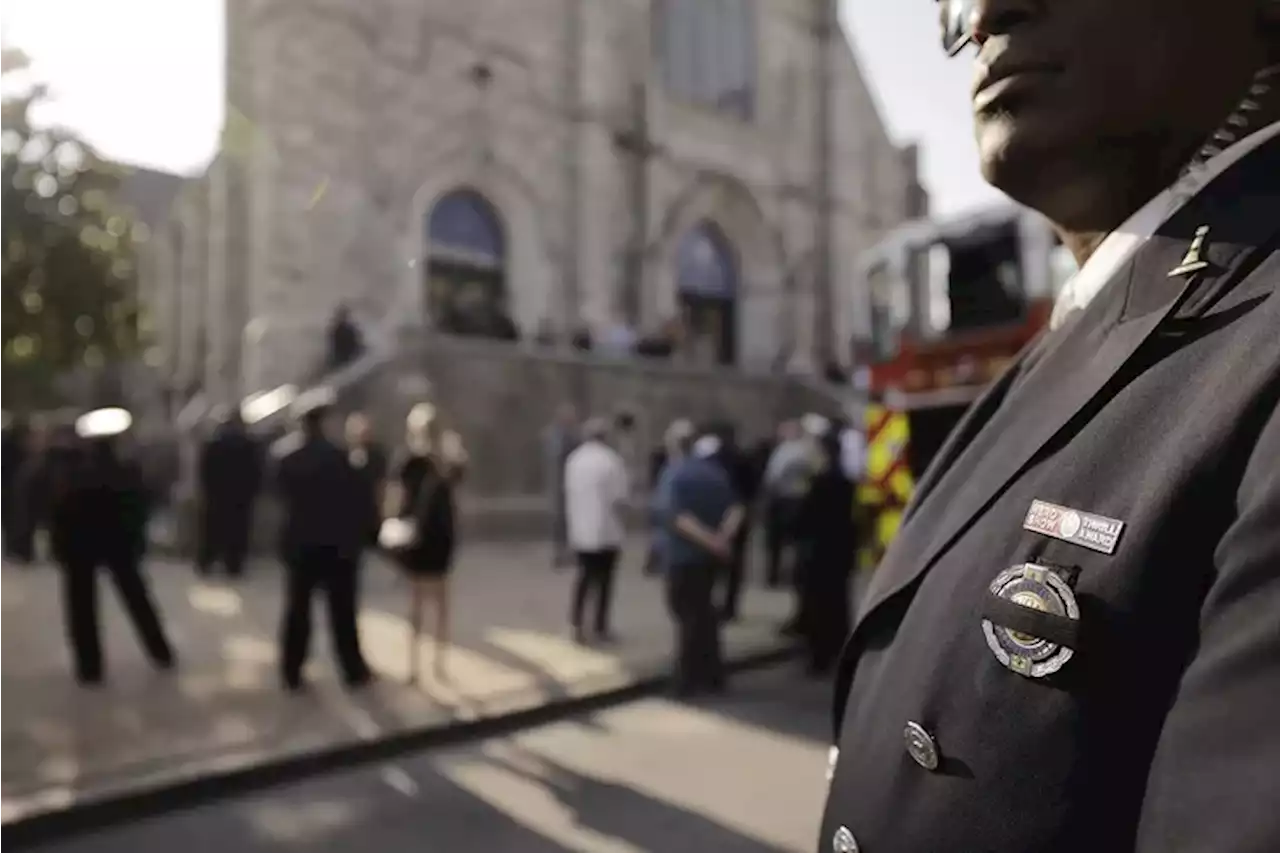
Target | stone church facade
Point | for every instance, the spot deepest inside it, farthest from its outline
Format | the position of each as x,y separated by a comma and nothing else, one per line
576,161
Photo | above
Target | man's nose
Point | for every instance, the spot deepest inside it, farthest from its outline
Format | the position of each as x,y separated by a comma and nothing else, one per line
998,17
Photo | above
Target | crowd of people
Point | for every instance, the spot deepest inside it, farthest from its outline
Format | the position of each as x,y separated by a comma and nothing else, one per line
339,494
707,495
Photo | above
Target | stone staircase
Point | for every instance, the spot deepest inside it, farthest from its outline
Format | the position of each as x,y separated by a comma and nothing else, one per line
500,395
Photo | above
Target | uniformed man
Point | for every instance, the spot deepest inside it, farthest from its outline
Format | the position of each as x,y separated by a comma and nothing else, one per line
827,546
98,520
324,529
1074,641
230,476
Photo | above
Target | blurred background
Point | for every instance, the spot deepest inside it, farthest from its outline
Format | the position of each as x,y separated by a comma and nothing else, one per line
741,214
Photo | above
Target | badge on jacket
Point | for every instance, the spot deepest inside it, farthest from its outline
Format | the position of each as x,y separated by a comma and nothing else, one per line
1095,532
1031,619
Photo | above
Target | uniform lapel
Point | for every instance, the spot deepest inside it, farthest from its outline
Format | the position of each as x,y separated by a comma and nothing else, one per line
965,429
1065,385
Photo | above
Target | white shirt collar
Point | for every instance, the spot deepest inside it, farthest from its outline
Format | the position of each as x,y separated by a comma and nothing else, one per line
1121,244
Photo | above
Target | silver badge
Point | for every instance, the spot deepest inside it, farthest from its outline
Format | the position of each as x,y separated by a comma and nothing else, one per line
1038,588
1096,532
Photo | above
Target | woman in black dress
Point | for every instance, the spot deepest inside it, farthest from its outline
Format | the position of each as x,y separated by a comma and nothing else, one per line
421,493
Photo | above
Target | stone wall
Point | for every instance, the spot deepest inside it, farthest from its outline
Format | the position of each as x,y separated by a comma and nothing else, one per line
500,397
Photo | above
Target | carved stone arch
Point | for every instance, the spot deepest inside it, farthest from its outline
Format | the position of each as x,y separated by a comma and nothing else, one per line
520,210
729,203
757,245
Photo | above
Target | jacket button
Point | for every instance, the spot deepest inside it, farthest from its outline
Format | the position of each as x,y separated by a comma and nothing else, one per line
921,746
843,841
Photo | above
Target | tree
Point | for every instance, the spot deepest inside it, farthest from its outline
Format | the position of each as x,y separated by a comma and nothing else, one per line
69,274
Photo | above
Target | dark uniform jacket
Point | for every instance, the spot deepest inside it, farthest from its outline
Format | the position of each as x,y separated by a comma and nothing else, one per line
231,468
99,506
322,498
1155,406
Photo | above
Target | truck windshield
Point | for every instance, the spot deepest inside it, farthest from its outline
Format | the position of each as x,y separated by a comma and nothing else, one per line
952,283
984,285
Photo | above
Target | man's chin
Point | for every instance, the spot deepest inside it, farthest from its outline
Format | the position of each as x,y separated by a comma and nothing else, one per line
1017,153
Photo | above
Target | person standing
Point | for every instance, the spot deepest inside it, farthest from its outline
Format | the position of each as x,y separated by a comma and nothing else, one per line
22,506
369,460
596,492
421,494
676,441
345,343
230,477
98,509
700,515
558,441
323,531
1073,641
14,508
745,484
827,545
786,477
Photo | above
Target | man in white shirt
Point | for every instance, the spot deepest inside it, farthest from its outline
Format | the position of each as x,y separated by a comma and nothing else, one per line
596,490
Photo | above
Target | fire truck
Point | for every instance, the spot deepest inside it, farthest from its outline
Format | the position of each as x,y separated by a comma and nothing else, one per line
952,304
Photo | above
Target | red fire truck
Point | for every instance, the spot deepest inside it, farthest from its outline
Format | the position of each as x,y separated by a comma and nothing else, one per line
952,303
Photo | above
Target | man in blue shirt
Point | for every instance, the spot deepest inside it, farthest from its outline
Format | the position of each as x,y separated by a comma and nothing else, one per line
700,514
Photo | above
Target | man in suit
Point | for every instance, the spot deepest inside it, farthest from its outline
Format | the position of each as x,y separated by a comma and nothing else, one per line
98,510
1072,644
230,476
324,530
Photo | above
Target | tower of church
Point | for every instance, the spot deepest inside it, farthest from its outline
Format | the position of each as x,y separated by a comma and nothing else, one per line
560,163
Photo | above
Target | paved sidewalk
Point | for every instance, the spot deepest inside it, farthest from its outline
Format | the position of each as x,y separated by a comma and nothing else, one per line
223,709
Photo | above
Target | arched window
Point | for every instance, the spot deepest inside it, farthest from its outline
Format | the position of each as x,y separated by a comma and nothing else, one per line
464,226
706,50
465,269
704,264
706,274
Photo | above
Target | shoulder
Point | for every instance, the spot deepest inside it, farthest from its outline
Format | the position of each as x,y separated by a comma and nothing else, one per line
587,454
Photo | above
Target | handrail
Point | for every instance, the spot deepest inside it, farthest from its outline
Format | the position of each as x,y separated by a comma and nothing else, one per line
262,409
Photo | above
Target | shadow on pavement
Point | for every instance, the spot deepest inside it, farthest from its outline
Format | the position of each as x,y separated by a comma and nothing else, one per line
782,700
619,811
339,815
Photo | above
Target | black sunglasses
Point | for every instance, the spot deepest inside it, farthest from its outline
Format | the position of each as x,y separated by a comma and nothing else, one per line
954,16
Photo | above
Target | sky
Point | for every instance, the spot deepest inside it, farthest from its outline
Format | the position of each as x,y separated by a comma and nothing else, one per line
141,80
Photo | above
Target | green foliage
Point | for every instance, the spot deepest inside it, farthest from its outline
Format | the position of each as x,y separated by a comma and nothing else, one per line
69,270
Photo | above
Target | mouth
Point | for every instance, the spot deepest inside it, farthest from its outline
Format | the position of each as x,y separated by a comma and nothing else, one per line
1005,82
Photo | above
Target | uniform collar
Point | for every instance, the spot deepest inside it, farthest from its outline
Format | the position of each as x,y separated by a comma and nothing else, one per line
1122,243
